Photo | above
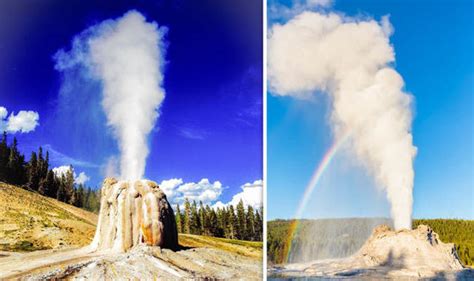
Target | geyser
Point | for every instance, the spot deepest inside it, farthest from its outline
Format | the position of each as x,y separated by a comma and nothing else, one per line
133,213
127,56
349,59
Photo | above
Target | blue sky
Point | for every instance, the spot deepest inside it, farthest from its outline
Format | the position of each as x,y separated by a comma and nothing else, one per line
210,124
433,43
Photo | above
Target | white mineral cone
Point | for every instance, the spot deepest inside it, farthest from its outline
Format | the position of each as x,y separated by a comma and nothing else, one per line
133,213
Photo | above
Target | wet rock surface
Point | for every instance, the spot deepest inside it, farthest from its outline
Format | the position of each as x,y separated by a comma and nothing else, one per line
417,253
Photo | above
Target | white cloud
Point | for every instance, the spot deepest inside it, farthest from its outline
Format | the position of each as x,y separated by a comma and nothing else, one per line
78,179
61,170
209,192
81,179
219,204
23,122
169,187
251,195
3,112
177,191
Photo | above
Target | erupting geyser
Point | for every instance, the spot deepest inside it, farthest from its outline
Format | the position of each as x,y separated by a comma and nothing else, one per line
133,213
127,56
350,60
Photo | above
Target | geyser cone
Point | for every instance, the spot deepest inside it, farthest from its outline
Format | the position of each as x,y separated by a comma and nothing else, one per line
418,249
133,213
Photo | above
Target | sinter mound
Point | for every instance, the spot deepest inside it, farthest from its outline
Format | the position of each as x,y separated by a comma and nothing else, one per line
416,249
417,253
133,213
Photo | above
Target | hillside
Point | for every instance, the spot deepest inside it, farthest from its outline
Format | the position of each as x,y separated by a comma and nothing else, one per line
29,221
249,249
350,234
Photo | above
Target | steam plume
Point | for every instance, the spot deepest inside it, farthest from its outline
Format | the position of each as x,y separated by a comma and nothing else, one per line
350,61
127,56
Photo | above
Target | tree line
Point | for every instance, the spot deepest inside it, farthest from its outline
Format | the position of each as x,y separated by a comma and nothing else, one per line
227,222
35,175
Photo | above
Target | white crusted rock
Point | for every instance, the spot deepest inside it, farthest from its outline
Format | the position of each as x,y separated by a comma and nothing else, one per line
133,213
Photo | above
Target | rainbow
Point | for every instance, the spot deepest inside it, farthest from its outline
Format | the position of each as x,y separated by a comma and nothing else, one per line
318,172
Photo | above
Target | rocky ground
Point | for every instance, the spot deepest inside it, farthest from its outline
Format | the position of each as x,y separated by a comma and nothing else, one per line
388,254
142,262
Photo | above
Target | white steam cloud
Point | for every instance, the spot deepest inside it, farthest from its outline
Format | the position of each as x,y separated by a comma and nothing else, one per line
127,56
350,60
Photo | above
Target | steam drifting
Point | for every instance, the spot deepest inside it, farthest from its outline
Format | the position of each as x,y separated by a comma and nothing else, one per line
350,60
127,56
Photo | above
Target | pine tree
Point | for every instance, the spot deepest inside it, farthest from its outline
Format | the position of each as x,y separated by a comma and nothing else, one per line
4,154
195,221
87,199
77,197
54,184
222,220
92,200
80,196
46,165
32,172
178,219
69,185
241,229
47,186
213,223
73,200
202,219
43,188
61,195
40,166
258,226
233,223
187,217
207,222
16,165
250,224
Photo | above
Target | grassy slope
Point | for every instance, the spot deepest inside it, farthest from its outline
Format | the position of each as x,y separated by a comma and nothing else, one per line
245,248
459,232
29,221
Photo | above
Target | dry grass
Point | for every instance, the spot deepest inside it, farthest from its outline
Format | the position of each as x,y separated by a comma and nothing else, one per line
245,248
29,221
